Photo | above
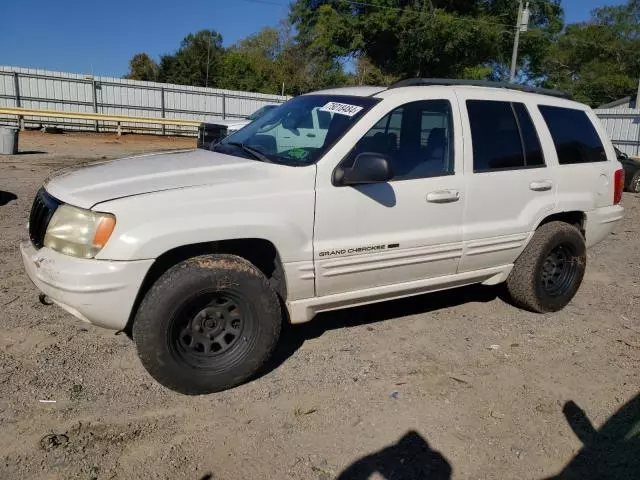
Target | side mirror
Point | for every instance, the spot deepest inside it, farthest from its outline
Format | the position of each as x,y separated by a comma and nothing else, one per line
367,168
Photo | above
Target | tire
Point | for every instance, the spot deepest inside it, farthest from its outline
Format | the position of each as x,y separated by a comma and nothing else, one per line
208,324
548,273
634,184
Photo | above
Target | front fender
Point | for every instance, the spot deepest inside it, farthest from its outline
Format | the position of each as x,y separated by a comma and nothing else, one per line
149,225
152,239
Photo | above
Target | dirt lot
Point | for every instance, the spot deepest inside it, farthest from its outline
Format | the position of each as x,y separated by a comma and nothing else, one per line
452,385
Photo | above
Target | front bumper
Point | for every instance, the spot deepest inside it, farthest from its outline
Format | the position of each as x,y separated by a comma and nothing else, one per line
101,292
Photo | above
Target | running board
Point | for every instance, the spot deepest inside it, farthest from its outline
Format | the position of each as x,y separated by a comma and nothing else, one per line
301,311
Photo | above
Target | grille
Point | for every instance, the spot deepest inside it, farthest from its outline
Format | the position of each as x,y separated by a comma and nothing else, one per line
42,210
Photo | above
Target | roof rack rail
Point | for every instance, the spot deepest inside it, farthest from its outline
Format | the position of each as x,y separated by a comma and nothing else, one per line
414,82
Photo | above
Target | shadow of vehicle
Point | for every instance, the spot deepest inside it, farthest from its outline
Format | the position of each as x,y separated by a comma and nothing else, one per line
612,452
411,458
294,336
6,197
31,152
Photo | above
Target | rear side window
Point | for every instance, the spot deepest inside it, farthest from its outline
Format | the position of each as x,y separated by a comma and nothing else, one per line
574,135
503,136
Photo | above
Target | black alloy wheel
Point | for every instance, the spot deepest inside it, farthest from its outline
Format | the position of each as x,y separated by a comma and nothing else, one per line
208,326
559,270
549,271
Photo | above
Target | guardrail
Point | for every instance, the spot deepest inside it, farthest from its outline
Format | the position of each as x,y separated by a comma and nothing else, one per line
73,93
118,119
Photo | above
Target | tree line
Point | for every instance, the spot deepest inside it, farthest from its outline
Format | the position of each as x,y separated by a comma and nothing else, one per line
596,61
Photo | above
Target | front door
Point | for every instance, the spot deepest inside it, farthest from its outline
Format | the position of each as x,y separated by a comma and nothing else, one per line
408,228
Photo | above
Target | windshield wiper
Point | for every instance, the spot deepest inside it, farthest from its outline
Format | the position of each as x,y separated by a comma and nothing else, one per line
251,151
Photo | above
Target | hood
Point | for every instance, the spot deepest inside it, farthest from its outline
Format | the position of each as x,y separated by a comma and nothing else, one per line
95,183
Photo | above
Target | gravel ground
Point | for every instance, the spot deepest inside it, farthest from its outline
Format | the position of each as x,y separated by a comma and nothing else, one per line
450,385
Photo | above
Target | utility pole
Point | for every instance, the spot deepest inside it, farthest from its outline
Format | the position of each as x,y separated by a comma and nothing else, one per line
638,97
206,82
522,25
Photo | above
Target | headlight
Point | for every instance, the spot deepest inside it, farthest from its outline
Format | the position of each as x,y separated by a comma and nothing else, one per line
78,232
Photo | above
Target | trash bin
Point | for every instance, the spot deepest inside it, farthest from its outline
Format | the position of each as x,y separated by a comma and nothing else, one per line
8,141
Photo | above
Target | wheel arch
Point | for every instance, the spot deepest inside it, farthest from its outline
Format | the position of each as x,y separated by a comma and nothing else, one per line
260,252
576,218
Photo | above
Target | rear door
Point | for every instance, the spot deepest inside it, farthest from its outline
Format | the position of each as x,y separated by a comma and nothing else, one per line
509,184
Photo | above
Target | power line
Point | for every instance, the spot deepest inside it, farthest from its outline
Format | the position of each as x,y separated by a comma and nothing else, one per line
510,31
266,2
398,9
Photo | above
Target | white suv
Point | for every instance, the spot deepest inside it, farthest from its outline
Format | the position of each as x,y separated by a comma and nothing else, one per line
427,185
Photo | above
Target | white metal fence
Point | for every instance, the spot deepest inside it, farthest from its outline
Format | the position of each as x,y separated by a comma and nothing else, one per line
69,92
623,126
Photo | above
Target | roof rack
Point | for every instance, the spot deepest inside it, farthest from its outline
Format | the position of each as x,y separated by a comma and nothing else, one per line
415,82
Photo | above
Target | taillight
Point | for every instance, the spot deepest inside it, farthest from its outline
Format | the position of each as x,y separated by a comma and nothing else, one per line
618,180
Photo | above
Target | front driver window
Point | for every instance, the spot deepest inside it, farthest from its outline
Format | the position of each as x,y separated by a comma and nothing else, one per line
417,138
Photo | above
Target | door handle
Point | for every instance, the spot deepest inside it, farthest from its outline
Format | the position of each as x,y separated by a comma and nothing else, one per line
443,196
311,135
541,185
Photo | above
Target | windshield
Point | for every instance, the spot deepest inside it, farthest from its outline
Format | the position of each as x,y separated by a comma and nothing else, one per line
260,112
299,131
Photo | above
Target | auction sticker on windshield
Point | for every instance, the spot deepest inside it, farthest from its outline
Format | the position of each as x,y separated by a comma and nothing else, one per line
341,108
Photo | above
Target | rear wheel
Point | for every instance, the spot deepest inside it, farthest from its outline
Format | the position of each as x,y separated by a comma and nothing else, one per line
549,271
207,324
634,185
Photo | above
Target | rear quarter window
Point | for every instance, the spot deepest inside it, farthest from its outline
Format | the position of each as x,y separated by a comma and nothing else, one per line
575,138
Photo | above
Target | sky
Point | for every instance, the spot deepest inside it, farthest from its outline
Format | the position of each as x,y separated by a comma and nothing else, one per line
99,37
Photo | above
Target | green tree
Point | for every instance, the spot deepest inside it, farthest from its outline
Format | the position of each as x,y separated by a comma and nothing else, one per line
251,64
142,67
265,61
435,38
197,62
369,74
303,70
598,61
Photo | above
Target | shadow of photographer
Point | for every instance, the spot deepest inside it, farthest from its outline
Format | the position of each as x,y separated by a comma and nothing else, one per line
409,459
611,452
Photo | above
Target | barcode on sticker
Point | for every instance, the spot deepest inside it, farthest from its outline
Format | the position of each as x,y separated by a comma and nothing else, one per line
341,108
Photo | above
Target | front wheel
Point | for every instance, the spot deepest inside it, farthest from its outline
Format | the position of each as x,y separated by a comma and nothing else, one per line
208,324
549,271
